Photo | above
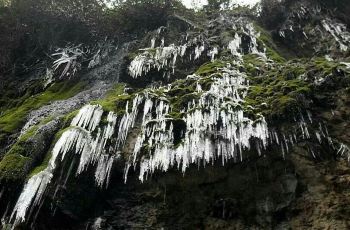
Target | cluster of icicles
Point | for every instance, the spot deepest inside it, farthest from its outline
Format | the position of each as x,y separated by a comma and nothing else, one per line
166,57
204,139
336,29
339,33
235,45
215,128
79,140
302,13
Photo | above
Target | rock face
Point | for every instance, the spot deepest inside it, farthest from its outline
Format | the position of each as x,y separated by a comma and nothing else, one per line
207,123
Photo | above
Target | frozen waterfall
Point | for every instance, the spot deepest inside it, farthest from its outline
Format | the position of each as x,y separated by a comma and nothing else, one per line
216,127
77,139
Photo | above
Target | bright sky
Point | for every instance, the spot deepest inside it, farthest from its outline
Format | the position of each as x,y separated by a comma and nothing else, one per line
199,3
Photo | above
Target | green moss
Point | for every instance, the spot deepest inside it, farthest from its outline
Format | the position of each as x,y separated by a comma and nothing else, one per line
325,66
31,132
12,167
19,147
13,118
47,158
210,68
182,92
253,64
271,47
115,99
180,102
19,151
277,93
271,53
67,119
42,166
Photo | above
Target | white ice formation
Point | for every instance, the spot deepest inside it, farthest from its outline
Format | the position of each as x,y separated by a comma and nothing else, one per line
344,151
156,58
235,45
68,59
339,33
166,57
212,53
215,128
78,139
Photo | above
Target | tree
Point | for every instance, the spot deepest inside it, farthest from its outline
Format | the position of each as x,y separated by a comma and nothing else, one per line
138,16
218,4
273,12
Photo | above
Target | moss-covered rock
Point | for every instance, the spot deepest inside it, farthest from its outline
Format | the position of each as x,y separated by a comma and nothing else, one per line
115,99
30,148
210,67
13,166
12,119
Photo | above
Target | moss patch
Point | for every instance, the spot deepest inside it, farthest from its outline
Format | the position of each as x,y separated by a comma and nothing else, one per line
115,99
210,68
278,92
271,47
42,166
12,167
13,118
20,150
47,158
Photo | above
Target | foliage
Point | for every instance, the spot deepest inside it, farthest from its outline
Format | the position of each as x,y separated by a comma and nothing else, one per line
210,67
32,28
139,16
273,12
217,4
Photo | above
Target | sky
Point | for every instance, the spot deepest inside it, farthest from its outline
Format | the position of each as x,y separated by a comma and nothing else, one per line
191,3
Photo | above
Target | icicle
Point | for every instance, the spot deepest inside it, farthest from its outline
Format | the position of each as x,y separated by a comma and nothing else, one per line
198,51
77,140
37,184
212,53
318,136
234,46
97,224
339,33
347,66
88,117
253,46
313,154
128,121
103,169
344,151
153,43
161,58
309,115
282,33
202,121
